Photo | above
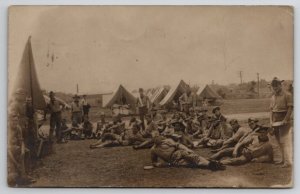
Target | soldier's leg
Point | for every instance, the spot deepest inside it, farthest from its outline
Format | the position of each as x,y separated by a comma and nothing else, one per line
58,128
146,144
265,150
285,142
235,161
107,143
142,118
280,152
288,148
197,160
136,139
222,153
187,141
202,141
52,127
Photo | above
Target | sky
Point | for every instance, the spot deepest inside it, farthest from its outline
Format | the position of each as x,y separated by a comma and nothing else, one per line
100,47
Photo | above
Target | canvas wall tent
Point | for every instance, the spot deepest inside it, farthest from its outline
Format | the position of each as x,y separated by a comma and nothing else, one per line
175,92
158,95
208,93
120,97
27,79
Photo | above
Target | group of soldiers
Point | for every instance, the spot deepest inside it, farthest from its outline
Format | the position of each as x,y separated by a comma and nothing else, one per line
174,140
173,137
79,118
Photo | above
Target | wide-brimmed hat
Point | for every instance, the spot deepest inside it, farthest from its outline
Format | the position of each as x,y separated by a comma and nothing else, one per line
276,81
233,121
252,120
76,96
51,93
141,90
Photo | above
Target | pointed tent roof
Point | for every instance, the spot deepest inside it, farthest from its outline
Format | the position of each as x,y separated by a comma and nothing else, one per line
181,87
117,97
208,92
158,95
27,78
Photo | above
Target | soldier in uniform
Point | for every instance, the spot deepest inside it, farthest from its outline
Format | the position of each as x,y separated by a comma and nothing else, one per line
253,146
176,154
55,108
85,106
76,109
17,173
280,118
149,133
143,103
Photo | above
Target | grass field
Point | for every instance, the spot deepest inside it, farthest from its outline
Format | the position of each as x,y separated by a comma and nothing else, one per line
75,165
246,106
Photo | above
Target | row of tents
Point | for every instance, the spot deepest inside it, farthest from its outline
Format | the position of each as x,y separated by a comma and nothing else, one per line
161,97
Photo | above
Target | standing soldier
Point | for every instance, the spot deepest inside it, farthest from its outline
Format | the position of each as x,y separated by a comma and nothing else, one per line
17,174
85,106
143,103
55,108
76,109
280,118
31,131
184,102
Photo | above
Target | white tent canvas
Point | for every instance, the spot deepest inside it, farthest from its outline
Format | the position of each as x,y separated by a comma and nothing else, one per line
175,92
120,97
158,95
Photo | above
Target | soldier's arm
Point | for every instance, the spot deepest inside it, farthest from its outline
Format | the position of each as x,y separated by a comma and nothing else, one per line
209,131
289,113
289,101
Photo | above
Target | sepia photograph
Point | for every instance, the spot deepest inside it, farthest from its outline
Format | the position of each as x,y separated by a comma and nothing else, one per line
150,96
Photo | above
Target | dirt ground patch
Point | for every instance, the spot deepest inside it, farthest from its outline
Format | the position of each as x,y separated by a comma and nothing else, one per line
75,165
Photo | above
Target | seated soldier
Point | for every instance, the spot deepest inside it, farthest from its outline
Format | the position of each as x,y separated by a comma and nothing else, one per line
255,142
176,154
239,132
108,140
218,132
113,135
128,137
101,126
87,127
150,132
177,131
213,138
133,134
261,151
194,130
